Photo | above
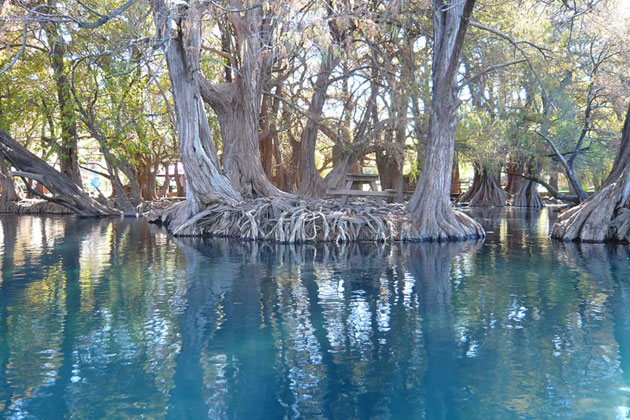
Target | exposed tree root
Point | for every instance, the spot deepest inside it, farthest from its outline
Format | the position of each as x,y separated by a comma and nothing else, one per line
33,206
527,195
484,192
604,217
303,221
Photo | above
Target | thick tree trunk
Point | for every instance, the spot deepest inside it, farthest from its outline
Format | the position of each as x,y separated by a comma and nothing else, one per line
390,171
430,204
514,182
455,186
527,195
311,183
268,131
476,184
553,180
237,104
605,216
344,161
167,182
390,161
68,149
134,185
7,184
237,108
485,192
205,183
148,181
63,190
179,181
121,196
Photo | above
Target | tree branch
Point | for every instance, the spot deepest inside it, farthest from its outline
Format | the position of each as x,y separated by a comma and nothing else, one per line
488,70
552,191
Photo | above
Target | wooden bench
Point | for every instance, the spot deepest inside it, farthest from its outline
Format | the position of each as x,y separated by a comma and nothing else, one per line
345,194
358,180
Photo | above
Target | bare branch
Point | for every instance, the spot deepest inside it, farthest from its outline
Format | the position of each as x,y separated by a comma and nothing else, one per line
18,55
488,70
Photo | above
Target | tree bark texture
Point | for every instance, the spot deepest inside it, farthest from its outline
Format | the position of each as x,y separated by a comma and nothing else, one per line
238,104
68,149
527,195
205,183
311,183
63,190
455,185
514,182
605,216
430,203
7,184
484,192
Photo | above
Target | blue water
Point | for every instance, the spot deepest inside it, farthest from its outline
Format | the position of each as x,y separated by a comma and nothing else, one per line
115,319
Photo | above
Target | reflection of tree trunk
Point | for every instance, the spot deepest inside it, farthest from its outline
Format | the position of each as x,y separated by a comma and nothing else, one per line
9,236
187,401
620,303
430,265
70,255
605,216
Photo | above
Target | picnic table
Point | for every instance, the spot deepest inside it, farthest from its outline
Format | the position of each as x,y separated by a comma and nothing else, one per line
358,180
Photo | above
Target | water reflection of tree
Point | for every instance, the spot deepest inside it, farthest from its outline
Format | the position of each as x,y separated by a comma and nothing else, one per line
222,329
535,337
324,331
72,324
607,267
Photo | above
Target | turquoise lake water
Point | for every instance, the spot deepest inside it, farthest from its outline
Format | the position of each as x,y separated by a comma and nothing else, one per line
115,319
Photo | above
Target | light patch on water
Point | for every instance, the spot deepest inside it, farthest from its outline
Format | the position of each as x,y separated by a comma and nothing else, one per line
622,412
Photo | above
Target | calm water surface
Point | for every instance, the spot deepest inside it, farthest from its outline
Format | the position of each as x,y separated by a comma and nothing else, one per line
115,319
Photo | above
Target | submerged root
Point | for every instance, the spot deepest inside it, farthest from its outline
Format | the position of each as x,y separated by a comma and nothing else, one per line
304,221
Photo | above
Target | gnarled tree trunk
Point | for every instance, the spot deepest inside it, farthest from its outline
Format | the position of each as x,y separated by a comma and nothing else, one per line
63,190
527,195
205,183
430,204
310,181
485,192
7,184
238,104
605,216
134,186
514,181
68,149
